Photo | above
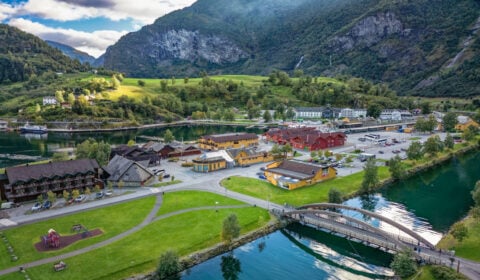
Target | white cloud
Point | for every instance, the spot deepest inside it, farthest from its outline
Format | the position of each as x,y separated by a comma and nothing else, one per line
144,11
93,43
6,11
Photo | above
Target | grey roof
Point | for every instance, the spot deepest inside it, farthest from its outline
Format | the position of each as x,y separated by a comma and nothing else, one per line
297,170
250,151
122,169
26,173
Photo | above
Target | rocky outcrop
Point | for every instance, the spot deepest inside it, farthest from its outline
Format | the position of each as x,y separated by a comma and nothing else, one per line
369,31
192,45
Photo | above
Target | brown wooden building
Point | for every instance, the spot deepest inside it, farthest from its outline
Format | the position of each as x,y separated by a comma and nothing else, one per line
228,141
27,182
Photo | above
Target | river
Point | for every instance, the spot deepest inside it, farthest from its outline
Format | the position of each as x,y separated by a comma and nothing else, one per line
428,203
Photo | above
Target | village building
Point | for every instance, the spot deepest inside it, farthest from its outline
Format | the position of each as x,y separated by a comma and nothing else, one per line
227,141
464,122
49,100
129,172
27,182
3,125
352,113
213,161
306,138
316,112
143,156
173,149
395,115
291,174
247,156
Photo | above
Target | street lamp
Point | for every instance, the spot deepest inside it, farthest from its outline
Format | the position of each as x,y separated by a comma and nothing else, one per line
216,205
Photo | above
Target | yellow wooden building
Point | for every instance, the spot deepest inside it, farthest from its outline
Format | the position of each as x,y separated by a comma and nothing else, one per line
227,141
247,156
213,161
464,122
291,174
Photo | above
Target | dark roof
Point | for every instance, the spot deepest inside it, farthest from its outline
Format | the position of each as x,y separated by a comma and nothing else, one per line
296,169
250,151
48,170
219,138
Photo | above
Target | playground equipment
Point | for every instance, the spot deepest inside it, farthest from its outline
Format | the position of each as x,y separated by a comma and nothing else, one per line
52,239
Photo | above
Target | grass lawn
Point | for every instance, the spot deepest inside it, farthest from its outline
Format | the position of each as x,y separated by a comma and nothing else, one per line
163,184
113,220
311,194
138,253
176,201
469,248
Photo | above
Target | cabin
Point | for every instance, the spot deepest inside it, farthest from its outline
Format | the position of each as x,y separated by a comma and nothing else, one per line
290,174
27,182
228,141
213,161
129,172
248,156
174,149
49,100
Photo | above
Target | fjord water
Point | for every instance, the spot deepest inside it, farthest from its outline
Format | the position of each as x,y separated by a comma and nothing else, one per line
428,203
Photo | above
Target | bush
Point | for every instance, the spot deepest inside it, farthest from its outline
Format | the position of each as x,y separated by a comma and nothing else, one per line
445,273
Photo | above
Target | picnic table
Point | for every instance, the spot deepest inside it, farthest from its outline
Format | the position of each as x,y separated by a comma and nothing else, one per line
59,266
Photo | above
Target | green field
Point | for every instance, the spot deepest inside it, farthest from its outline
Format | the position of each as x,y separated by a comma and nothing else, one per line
190,199
348,185
111,220
138,253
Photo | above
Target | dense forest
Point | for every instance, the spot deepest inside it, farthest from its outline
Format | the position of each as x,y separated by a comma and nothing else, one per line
25,57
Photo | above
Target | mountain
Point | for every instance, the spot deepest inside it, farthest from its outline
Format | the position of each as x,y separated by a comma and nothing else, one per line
73,53
23,56
429,48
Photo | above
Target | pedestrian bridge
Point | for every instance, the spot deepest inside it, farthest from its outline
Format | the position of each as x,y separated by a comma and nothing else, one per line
321,216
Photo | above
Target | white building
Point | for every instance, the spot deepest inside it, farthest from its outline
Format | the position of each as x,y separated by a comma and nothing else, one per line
353,113
49,100
395,115
308,112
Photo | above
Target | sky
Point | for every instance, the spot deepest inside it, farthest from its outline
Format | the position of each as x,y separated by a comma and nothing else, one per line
87,25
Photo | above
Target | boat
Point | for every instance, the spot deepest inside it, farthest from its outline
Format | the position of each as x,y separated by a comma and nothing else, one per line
37,129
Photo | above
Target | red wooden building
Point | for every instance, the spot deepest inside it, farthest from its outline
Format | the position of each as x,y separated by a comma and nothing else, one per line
306,138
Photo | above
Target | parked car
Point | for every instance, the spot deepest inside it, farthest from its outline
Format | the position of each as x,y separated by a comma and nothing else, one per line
262,177
99,195
108,193
8,205
396,151
37,206
263,168
80,198
166,176
380,152
47,204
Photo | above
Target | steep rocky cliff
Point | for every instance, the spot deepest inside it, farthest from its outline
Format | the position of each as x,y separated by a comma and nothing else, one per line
395,41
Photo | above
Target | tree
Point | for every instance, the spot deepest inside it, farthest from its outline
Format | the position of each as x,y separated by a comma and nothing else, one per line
286,149
131,142
433,145
374,110
168,136
448,142
290,114
313,154
91,149
415,151
426,125
396,168
59,156
71,98
59,96
403,264
121,184
231,228
87,191
115,82
65,195
169,266
370,178
334,196
163,85
276,150
459,231
229,115
141,83
476,194
51,196
470,133
75,193
425,107
267,117
449,121
38,109
97,188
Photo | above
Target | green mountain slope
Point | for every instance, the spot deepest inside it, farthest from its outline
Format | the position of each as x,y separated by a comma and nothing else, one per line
428,48
71,52
23,56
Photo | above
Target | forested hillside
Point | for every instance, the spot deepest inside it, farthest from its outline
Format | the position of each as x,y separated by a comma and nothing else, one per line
428,48
25,57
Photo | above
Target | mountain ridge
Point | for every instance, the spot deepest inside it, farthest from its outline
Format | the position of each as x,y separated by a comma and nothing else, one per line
399,42
71,52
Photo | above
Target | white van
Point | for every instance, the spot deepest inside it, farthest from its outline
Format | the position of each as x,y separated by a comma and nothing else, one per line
7,205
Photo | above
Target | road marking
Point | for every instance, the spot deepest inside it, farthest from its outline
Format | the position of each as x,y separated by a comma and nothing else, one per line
7,222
